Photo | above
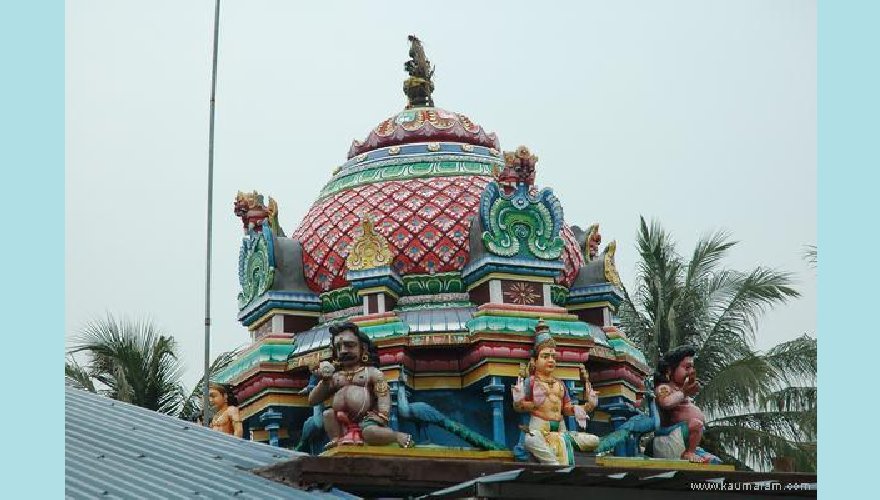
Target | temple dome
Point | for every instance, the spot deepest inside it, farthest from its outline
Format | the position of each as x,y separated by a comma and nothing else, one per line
419,176
424,124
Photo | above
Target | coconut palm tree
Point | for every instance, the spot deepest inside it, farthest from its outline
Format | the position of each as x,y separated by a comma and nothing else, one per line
759,405
131,361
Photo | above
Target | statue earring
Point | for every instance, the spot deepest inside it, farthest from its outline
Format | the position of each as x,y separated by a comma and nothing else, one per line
365,358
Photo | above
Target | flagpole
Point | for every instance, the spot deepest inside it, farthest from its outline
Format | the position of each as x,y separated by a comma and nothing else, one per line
205,421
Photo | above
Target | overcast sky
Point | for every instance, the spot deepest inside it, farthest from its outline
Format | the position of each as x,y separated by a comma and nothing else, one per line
700,114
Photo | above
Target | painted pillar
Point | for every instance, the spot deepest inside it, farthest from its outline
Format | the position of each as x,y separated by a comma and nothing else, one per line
393,387
494,391
570,422
622,449
271,420
316,446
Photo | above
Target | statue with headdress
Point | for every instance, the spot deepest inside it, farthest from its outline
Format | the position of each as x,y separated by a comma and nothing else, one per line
547,400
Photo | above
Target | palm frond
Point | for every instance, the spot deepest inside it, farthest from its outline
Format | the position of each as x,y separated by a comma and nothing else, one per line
791,398
759,447
740,384
795,361
134,361
659,284
77,376
790,425
756,292
707,256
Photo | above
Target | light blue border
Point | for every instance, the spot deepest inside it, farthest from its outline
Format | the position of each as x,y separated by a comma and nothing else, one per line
32,248
32,155
849,189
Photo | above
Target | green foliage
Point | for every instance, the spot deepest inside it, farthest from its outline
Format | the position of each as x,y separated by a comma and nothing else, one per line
77,376
132,361
759,405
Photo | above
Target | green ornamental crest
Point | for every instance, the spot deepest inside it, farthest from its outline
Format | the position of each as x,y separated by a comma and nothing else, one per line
256,266
520,224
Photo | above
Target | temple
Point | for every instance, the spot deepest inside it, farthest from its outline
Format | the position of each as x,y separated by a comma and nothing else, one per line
445,250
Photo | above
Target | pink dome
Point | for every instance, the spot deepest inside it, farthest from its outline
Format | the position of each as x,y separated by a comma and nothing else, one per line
424,125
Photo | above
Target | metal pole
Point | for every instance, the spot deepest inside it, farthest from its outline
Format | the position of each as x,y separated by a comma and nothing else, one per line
205,421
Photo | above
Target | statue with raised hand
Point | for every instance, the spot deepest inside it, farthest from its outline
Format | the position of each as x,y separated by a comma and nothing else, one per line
361,404
676,385
546,399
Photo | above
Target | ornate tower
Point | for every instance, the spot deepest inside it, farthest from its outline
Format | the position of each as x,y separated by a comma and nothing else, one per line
446,254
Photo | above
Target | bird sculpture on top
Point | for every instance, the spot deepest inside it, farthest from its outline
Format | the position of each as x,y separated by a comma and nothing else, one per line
418,87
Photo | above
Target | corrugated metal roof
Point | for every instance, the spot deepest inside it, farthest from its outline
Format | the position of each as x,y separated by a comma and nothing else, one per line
312,339
446,319
117,450
647,483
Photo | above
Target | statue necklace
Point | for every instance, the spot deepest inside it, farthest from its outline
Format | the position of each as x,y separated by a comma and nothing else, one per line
549,383
349,375
215,420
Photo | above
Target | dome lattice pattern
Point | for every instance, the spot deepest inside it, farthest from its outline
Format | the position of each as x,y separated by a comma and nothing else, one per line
424,220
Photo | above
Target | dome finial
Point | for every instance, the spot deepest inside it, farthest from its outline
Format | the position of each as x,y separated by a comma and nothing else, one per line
418,87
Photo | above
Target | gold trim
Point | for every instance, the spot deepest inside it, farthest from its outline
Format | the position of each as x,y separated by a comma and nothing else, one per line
274,399
428,382
601,416
263,435
377,289
434,452
617,389
590,305
658,463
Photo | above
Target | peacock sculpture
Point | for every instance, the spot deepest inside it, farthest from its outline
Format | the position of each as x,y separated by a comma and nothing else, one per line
637,425
313,429
425,414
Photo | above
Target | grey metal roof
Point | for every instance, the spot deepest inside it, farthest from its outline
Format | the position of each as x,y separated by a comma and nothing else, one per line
446,319
311,339
117,450
634,483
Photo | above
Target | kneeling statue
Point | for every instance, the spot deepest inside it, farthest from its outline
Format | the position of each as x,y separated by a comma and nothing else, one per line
681,420
361,398
546,398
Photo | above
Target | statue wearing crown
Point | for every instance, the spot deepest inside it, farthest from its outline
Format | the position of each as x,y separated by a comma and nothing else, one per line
547,400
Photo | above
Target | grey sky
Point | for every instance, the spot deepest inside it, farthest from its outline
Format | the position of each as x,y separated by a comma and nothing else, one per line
701,114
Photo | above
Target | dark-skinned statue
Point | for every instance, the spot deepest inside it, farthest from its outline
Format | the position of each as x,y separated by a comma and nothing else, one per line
359,413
